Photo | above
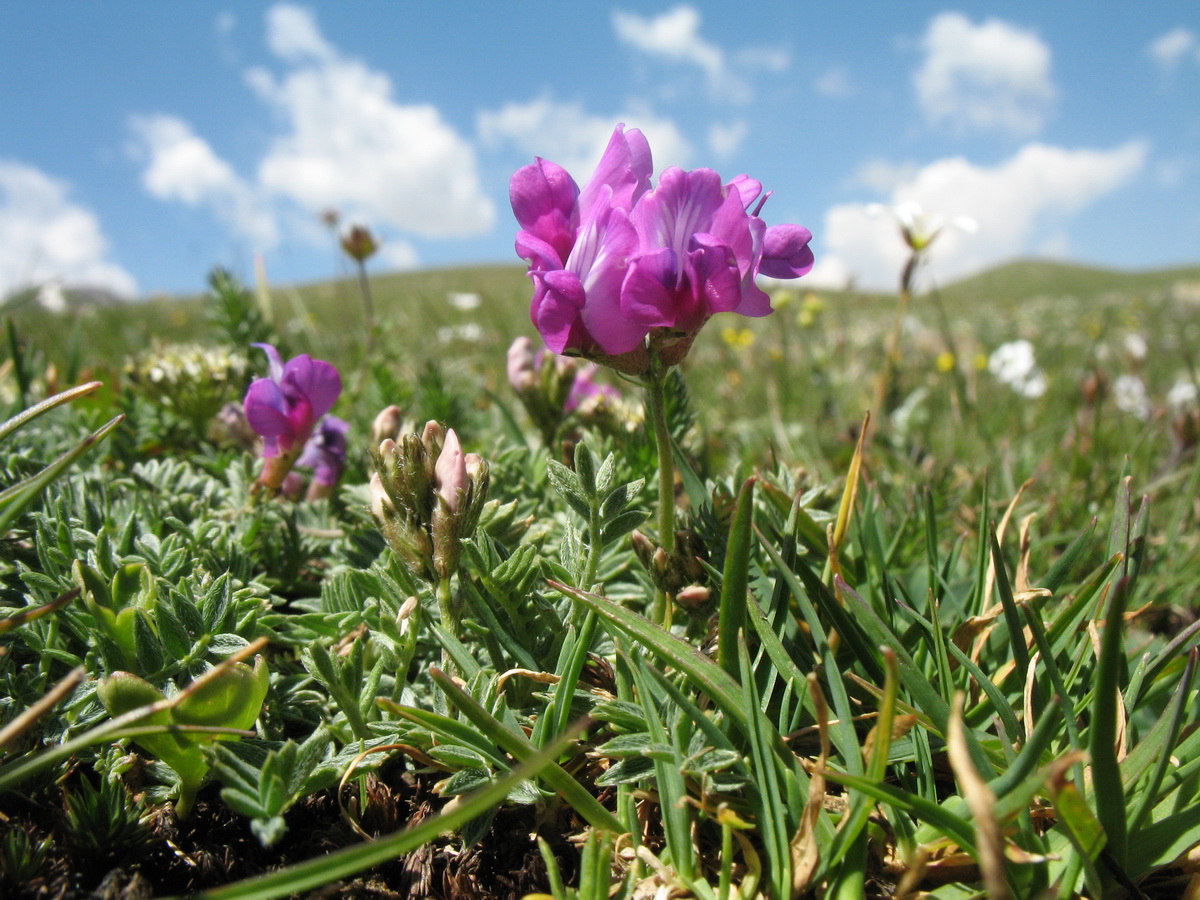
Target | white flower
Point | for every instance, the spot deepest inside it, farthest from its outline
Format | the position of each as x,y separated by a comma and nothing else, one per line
464,300
1015,365
468,332
919,228
1129,393
1135,346
1182,393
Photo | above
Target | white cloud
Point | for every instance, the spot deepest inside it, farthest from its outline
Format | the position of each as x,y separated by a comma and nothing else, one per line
835,84
726,138
674,35
181,166
1020,205
44,236
349,145
1172,48
988,77
566,134
343,142
293,36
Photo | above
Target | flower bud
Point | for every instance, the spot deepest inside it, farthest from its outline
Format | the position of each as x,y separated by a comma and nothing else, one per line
451,472
522,365
359,243
381,503
427,495
386,424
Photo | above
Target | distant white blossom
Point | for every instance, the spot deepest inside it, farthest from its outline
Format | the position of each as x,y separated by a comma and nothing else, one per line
1182,393
1135,346
469,332
464,300
1130,395
1016,365
918,227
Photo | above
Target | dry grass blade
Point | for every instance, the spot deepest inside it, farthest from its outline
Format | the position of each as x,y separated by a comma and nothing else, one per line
18,725
806,851
982,802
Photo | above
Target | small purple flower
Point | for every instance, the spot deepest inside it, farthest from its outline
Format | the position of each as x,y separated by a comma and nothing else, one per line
616,261
284,408
325,451
586,390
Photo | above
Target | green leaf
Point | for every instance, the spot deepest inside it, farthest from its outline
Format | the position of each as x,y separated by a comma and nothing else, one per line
735,581
520,747
567,484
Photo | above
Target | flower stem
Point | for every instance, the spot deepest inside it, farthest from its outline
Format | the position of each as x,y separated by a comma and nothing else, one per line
656,381
364,287
449,617
891,357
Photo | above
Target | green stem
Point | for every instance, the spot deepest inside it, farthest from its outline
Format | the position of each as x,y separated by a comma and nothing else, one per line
408,649
364,287
660,611
449,617
891,357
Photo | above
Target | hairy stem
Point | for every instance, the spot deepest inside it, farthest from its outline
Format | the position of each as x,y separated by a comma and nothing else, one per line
660,611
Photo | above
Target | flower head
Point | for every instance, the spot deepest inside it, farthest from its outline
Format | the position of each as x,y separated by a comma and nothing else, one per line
616,261
359,243
918,228
284,407
1014,364
325,451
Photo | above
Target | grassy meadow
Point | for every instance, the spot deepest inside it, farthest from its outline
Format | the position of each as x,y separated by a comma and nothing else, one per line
948,651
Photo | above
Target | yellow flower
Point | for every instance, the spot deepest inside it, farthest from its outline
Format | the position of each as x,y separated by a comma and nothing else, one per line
945,361
980,361
737,338
782,298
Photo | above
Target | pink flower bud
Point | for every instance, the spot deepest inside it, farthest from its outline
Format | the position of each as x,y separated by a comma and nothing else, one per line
386,424
522,365
451,472
381,503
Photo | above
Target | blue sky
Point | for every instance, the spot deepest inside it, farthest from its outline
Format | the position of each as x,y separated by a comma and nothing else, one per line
143,143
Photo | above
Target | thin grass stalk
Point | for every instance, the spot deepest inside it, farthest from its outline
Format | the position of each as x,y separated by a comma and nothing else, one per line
1108,789
522,750
735,583
1177,711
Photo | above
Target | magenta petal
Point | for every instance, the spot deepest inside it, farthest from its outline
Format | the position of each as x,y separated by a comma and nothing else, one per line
747,188
544,200
682,205
625,168
302,417
648,295
557,315
275,364
316,381
717,279
541,189
786,253
538,253
264,407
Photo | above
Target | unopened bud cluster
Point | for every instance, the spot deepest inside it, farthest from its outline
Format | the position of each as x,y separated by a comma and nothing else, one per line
680,572
426,495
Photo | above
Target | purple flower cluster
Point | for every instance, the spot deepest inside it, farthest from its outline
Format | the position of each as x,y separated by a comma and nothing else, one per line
284,409
620,259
